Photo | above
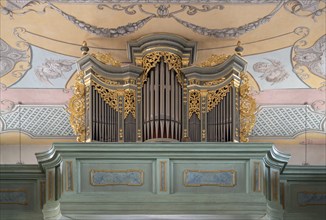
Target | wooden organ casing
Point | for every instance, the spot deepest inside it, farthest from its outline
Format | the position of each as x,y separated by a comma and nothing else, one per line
162,96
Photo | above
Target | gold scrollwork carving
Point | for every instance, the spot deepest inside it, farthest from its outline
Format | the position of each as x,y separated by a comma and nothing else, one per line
105,80
214,82
130,103
109,96
215,97
194,82
194,103
106,58
214,60
76,108
247,109
150,60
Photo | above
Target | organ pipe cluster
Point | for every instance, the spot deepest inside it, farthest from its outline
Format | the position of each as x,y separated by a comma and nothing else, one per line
162,97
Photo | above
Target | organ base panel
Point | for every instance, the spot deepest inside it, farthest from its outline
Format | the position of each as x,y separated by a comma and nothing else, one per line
162,181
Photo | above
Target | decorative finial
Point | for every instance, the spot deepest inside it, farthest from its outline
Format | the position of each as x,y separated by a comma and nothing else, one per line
239,49
84,48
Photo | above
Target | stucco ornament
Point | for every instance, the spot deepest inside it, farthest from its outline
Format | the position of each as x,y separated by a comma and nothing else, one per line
313,58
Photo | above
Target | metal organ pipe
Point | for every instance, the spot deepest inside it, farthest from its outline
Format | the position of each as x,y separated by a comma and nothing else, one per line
162,104
172,105
220,120
162,98
104,119
157,100
167,104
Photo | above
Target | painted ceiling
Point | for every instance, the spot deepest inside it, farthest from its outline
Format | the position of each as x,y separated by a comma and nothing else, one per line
284,43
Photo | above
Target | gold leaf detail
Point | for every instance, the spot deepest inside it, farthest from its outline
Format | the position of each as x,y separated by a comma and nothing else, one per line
106,58
214,60
194,103
130,104
76,108
194,82
214,82
150,60
215,97
109,96
105,80
247,109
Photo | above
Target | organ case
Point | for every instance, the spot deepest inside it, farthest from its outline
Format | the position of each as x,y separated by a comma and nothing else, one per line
162,96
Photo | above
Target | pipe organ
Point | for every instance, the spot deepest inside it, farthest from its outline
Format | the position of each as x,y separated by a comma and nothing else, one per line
162,96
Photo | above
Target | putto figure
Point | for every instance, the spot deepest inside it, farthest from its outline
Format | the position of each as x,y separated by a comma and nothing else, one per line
273,71
53,69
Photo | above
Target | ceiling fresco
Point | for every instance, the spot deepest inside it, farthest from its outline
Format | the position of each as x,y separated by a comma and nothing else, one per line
284,44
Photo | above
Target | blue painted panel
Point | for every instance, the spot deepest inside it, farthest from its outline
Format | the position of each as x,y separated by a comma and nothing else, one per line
209,178
311,198
117,177
13,197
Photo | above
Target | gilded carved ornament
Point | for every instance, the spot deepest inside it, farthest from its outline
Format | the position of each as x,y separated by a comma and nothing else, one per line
130,103
214,60
247,109
105,80
106,59
150,60
215,97
109,96
214,82
76,108
194,82
194,103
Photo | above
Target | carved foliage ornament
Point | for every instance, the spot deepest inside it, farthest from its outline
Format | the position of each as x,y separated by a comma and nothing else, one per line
214,82
150,60
76,108
106,59
130,104
247,109
215,97
194,103
214,60
105,80
109,96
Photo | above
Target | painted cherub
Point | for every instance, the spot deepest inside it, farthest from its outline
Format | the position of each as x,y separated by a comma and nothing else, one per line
273,71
